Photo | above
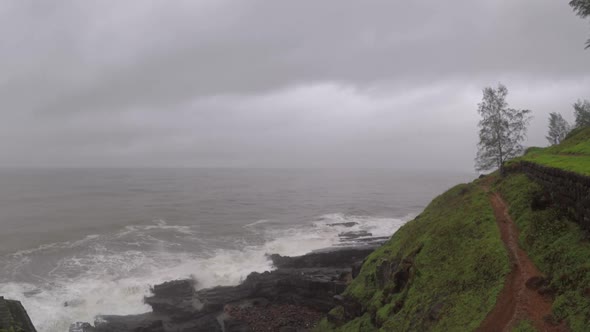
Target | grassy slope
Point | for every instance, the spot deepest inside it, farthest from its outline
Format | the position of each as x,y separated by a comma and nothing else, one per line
462,262
458,267
558,247
572,155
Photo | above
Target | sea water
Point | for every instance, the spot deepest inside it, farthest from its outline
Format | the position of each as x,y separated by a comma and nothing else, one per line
76,243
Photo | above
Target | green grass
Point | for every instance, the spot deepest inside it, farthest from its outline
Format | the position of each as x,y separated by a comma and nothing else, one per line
524,326
573,163
573,154
458,265
557,246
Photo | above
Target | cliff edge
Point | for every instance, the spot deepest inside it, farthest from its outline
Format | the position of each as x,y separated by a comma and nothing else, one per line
505,253
14,317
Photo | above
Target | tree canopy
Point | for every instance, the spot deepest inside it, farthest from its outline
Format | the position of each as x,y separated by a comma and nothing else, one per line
582,113
582,9
501,130
558,128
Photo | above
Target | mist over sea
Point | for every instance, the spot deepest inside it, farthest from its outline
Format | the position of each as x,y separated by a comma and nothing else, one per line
75,243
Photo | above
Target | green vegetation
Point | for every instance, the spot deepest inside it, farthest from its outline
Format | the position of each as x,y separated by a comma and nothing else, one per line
501,130
13,317
443,270
558,128
558,247
440,272
524,326
573,154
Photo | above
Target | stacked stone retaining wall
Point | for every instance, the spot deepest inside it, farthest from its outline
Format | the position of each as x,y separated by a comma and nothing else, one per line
568,189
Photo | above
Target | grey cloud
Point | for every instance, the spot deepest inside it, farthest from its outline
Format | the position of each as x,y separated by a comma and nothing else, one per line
275,83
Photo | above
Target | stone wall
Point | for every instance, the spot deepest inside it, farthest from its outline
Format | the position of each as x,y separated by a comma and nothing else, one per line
568,189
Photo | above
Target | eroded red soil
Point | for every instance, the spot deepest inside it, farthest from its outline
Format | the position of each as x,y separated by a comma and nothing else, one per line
517,302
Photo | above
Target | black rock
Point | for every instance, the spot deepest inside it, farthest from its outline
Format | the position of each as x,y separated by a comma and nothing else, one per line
354,234
344,257
345,224
81,327
309,281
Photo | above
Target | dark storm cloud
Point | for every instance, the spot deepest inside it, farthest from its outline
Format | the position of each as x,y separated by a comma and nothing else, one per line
275,83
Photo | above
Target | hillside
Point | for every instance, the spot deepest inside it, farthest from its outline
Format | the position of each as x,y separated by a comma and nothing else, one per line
446,269
571,155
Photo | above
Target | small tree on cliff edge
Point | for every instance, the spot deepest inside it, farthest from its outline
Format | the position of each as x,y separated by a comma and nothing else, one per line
582,113
558,128
501,130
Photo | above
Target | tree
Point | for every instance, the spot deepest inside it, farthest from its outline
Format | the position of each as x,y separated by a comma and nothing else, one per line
582,113
558,128
501,130
582,9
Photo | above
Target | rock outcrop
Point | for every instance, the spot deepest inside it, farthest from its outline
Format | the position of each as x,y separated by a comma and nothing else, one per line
14,317
291,298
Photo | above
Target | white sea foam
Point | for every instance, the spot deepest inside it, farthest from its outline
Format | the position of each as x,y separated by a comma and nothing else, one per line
104,280
257,222
56,245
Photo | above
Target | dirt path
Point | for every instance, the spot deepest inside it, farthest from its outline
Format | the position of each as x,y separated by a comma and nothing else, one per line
516,302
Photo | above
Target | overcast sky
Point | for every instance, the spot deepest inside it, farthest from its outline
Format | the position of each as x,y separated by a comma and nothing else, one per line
331,83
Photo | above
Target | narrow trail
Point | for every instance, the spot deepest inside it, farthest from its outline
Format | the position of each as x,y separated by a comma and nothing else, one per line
516,301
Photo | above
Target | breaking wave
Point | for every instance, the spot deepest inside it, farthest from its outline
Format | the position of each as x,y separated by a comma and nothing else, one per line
65,282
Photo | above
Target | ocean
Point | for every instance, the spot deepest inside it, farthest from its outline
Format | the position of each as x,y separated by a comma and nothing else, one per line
76,243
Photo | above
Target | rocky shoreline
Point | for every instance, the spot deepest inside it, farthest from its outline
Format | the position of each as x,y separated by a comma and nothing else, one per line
292,297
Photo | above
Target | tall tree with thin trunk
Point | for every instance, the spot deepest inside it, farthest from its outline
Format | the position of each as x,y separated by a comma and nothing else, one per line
582,113
582,9
501,130
558,128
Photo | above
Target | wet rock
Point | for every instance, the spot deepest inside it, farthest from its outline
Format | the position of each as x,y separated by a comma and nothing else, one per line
185,287
32,292
231,324
345,224
310,287
74,303
176,299
356,268
354,234
374,240
295,296
344,257
277,317
133,323
81,327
